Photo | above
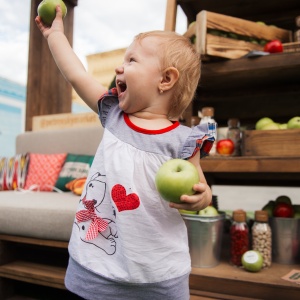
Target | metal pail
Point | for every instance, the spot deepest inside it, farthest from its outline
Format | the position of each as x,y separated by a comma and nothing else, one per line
205,238
285,240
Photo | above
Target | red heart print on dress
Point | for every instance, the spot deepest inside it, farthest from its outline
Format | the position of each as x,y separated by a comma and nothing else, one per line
123,201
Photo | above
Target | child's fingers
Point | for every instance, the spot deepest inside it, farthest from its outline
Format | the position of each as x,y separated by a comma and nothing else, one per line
58,12
39,23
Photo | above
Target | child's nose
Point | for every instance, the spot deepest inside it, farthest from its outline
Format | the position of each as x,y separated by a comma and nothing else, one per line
119,70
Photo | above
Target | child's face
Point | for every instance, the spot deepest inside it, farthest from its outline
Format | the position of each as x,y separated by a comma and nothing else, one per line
138,77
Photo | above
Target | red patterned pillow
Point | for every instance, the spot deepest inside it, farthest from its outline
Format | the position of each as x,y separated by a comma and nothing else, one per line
43,170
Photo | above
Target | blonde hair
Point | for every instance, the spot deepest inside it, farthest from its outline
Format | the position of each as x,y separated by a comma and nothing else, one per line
178,52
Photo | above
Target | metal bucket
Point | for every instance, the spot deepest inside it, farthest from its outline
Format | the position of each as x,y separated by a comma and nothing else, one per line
285,240
205,238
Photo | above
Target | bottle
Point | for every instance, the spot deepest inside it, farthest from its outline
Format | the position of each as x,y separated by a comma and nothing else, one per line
207,116
234,133
262,237
239,237
194,121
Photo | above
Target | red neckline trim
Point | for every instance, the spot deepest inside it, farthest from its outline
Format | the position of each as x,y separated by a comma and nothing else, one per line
149,131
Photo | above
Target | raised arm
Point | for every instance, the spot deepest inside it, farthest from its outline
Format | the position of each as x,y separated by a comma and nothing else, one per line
69,64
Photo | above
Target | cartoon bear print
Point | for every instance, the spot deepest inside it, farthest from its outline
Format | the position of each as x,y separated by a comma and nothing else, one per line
94,230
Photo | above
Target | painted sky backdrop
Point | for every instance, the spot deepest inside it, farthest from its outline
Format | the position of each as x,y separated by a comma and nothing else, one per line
99,26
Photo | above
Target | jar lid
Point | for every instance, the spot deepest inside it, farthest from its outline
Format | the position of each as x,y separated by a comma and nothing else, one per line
261,216
208,111
239,216
233,122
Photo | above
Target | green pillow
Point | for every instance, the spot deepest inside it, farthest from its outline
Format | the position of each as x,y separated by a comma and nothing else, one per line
75,166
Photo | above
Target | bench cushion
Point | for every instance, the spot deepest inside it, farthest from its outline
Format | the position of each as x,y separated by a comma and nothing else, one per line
45,215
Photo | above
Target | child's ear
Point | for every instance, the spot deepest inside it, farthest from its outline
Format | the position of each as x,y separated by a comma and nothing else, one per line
169,78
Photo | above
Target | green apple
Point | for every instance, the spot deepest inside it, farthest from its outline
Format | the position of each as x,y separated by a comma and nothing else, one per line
294,123
176,177
188,212
296,208
260,23
283,199
269,207
46,10
283,126
270,126
297,215
252,261
262,122
192,24
209,211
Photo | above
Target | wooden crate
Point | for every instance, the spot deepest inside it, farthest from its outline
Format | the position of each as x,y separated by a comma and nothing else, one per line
210,45
291,47
279,143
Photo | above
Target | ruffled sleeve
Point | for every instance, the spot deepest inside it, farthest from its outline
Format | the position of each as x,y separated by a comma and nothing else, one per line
201,138
105,103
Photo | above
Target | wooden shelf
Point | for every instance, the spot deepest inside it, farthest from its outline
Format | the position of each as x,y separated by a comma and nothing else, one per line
228,282
283,68
218,164
34,241
34,273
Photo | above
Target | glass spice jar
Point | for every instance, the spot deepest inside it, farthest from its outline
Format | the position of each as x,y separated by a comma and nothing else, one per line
262,237
239,237
234,134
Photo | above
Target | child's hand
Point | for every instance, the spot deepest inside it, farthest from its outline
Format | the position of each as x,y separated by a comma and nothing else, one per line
57,25
196,202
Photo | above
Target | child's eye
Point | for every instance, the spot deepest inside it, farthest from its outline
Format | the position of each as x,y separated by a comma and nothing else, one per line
131,59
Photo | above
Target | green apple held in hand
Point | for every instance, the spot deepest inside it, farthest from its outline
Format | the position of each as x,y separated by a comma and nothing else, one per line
209,211
176,177
252,261
46,10
294,123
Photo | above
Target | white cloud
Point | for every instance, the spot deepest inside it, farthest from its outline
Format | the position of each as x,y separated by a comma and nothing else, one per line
98,26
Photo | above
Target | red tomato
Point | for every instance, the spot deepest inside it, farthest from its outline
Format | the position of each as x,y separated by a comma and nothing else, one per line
283,210
225,147
274,46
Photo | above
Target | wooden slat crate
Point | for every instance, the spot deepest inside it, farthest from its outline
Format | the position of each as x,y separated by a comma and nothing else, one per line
279,143
291,47
208,44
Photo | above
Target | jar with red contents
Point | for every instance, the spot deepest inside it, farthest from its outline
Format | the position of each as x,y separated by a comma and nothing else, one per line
239,237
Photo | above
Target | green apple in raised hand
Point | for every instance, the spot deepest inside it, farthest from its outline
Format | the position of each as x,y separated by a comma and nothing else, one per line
209,211
46,10
176,177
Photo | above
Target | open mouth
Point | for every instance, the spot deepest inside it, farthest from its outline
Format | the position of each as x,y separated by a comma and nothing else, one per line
122,86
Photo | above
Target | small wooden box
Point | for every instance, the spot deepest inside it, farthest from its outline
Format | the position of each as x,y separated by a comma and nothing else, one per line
279,143
212,45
